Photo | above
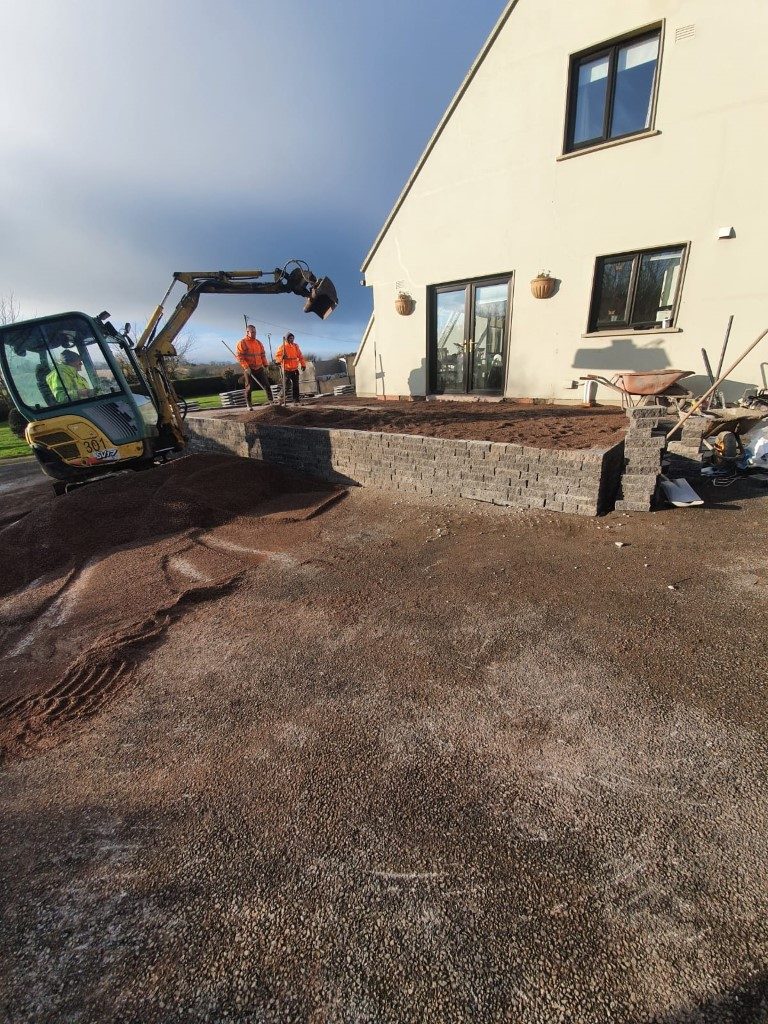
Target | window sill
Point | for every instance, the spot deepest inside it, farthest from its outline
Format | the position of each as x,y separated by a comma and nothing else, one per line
632,333
609,144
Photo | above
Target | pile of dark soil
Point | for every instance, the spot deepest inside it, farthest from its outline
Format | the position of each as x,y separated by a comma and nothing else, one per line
541,426
89,579
197,492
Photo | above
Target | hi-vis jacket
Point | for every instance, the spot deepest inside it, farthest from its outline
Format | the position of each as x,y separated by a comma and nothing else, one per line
250,353
289,356
66,383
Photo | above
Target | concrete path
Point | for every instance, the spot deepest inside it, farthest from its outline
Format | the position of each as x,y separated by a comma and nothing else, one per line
15,473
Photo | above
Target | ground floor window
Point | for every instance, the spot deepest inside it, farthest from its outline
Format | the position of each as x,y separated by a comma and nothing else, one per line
468,330
639,290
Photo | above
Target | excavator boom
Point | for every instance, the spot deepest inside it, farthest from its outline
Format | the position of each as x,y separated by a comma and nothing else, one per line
155,345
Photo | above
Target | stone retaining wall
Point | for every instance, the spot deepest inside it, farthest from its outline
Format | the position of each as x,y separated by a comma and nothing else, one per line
583,482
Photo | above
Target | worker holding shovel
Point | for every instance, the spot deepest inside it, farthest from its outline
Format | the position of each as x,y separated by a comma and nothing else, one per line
253,359
290,359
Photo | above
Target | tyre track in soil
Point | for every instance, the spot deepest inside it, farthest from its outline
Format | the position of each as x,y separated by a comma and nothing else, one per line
86,616
31,725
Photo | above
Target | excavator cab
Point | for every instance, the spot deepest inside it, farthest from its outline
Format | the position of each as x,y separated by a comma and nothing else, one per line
62,376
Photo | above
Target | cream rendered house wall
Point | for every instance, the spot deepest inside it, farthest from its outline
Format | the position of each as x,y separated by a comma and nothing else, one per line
492,196
365,374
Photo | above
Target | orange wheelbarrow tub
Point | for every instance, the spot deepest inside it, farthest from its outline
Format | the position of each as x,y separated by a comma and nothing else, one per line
648,382
634,385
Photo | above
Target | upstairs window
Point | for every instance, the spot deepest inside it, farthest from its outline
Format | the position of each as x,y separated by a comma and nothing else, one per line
637,290
612,91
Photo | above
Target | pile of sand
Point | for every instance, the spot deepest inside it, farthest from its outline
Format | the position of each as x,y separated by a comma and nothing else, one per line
89,579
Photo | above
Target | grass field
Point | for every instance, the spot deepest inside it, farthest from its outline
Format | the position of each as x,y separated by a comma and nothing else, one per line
10,446
214,402
207,401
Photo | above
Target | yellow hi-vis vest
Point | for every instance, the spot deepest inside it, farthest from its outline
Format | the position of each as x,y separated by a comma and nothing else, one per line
66,383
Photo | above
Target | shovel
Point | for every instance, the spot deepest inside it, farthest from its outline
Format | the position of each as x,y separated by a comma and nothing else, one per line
679,492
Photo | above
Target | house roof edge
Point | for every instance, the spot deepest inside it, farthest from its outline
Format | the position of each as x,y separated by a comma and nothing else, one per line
439,130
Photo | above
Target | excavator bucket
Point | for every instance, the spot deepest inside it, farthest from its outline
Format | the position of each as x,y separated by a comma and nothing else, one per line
322,298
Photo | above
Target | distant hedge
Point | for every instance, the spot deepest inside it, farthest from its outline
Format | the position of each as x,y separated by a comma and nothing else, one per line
187,387
193,387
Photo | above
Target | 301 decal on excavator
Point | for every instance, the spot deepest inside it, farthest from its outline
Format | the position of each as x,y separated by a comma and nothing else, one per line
64,377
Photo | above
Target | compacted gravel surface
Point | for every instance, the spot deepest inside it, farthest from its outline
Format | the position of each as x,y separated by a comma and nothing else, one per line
417,763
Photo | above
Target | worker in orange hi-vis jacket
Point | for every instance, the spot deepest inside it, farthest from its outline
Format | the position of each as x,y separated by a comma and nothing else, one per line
290,358
253,359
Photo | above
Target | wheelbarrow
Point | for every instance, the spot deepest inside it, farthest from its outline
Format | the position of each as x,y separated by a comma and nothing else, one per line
635,386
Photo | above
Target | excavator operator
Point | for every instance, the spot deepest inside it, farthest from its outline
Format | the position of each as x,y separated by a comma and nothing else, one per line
253,359
66,381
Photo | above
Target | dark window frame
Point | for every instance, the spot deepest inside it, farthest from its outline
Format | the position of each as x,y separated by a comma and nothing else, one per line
611,50
627,323
470,285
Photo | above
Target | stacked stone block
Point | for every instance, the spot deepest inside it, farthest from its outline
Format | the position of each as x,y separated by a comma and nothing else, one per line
643,447
647,454
684,453
581,482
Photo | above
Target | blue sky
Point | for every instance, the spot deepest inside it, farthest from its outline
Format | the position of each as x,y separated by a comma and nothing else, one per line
149,136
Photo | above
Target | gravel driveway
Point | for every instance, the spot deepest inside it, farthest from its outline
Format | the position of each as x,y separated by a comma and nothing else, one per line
425,763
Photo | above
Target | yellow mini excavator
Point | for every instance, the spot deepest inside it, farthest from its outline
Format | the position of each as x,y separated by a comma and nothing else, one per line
63,375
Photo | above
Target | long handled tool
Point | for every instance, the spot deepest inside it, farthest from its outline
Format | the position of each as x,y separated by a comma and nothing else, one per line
710,375
707,366
699,402
725,344
236,358
719,394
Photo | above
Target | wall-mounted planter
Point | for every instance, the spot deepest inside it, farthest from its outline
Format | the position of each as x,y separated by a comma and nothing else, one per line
404,304
543,286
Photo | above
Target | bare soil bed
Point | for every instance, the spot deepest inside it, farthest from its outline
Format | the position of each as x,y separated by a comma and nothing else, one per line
541,426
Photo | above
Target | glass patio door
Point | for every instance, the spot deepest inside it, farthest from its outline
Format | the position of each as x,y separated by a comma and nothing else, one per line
468,334
451,348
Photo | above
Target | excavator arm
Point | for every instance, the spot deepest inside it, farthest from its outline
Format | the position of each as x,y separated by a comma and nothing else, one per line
156,343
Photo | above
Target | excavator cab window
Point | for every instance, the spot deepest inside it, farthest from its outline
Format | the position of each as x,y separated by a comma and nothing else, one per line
55,363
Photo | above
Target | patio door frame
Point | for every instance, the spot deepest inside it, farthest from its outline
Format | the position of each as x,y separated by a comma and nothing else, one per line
470,286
